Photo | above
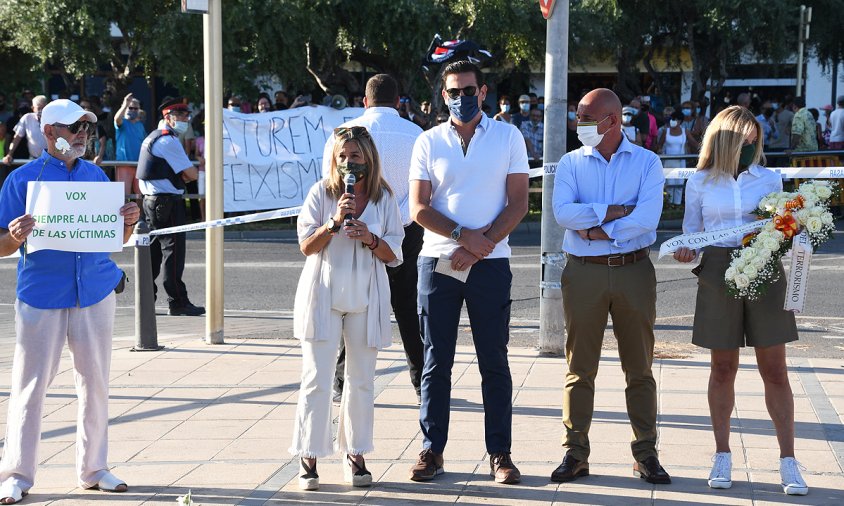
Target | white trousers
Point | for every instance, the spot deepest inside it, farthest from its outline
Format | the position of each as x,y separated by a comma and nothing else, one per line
41,335
312,428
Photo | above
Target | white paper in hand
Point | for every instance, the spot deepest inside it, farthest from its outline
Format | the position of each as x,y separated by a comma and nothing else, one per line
444,267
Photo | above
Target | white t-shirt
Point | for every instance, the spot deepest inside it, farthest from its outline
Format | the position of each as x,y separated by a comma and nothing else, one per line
472,189
169,148
836,120
30,127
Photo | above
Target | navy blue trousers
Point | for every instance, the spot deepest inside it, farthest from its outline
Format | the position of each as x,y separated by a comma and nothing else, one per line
487,297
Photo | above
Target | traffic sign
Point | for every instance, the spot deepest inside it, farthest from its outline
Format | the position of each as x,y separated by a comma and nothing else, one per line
547,8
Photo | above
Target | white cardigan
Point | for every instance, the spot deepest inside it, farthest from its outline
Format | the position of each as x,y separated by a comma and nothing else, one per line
312,305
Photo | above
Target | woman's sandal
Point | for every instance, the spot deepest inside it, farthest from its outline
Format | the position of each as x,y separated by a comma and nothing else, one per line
309,479
110,483
356,474
10,493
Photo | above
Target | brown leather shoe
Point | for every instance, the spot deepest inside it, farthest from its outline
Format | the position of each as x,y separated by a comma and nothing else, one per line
650,471
428,466
570,469
502,469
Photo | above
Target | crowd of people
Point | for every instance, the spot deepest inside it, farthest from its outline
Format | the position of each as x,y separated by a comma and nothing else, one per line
415,221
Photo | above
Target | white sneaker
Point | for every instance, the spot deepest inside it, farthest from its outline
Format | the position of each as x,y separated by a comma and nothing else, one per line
722,470
792,481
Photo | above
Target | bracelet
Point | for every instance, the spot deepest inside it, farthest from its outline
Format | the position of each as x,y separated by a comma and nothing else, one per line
588,230
127,225
375,242
626,210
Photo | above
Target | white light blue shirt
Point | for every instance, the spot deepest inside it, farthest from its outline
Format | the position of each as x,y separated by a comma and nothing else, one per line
715,204
586,185
394,137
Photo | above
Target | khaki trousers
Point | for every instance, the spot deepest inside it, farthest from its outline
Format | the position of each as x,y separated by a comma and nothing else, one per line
591,292
41,336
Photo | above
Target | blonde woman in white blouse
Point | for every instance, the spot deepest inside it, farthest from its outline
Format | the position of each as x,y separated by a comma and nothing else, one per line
343,293
726,188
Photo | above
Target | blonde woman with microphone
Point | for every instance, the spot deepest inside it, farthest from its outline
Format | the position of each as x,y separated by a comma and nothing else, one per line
343,293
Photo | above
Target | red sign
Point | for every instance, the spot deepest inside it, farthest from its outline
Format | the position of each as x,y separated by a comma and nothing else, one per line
547,8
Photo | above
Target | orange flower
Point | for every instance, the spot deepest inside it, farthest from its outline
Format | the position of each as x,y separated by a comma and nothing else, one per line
795,204
786,224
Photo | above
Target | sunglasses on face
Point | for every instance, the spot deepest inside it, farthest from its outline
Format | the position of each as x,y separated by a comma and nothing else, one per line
351,132
468,91
134,108
85,126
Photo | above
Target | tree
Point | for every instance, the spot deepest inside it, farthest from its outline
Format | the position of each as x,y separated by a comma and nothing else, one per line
825,36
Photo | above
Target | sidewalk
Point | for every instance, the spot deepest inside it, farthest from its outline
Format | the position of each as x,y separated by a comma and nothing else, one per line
218,420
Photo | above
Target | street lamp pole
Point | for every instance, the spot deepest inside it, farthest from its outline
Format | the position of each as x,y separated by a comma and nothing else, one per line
212,34
551,323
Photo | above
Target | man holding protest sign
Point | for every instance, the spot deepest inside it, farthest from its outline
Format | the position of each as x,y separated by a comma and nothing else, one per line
163,170
394,137
61,296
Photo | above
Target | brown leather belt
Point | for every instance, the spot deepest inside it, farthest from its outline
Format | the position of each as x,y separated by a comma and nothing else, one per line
614,260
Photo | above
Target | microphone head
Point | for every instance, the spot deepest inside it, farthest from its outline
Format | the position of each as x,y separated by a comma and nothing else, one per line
350,179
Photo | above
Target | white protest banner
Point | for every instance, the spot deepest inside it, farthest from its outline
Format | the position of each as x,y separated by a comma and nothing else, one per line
798,277
700,239
271,160
75,216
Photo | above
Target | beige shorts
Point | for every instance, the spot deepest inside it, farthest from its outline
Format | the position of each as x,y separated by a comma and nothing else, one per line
723,322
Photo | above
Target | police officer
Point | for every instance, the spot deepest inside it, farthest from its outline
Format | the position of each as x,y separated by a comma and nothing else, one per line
163,170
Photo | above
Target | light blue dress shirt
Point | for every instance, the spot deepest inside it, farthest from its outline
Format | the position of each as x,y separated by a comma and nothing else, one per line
586,185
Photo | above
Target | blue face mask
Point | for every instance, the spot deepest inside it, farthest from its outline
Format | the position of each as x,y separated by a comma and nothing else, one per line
130,115
235,108
635,111
686,111
463,108
572,115
541,107
698,111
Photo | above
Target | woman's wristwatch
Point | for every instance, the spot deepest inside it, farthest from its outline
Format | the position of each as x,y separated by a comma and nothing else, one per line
333,226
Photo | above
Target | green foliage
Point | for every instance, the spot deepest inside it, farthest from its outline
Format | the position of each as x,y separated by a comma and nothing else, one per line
825,35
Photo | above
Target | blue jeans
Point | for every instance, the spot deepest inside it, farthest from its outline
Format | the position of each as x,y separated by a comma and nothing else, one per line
487,296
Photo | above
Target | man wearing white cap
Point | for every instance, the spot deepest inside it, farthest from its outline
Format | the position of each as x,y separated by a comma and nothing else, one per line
524,111
61,297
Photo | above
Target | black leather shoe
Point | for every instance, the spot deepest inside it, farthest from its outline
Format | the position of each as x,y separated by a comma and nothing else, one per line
650,471
570,469
186,309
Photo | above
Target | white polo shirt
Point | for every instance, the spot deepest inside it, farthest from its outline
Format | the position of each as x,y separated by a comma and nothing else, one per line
470,189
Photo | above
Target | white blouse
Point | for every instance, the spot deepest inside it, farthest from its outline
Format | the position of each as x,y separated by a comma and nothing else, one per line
315,294
714,204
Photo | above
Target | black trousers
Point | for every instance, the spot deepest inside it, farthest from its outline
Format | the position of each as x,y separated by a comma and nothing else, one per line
403,281
162,211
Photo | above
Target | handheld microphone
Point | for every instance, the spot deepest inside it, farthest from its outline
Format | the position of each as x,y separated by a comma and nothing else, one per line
350,180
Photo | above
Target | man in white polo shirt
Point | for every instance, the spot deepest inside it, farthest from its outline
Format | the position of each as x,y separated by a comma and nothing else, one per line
394,137
469,190
29,128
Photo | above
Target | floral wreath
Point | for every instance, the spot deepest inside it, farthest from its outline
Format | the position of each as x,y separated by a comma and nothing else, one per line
755,266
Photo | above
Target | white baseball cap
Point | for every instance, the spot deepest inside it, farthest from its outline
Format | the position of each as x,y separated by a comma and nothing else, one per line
64,111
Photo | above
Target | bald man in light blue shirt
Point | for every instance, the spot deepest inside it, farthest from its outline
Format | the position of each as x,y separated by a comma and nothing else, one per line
608,197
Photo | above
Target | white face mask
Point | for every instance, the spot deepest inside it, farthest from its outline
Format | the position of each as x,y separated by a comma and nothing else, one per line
673,123
587,133
180,127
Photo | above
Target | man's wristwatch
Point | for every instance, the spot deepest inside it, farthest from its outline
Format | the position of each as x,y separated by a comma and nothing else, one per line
332,225
455,234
